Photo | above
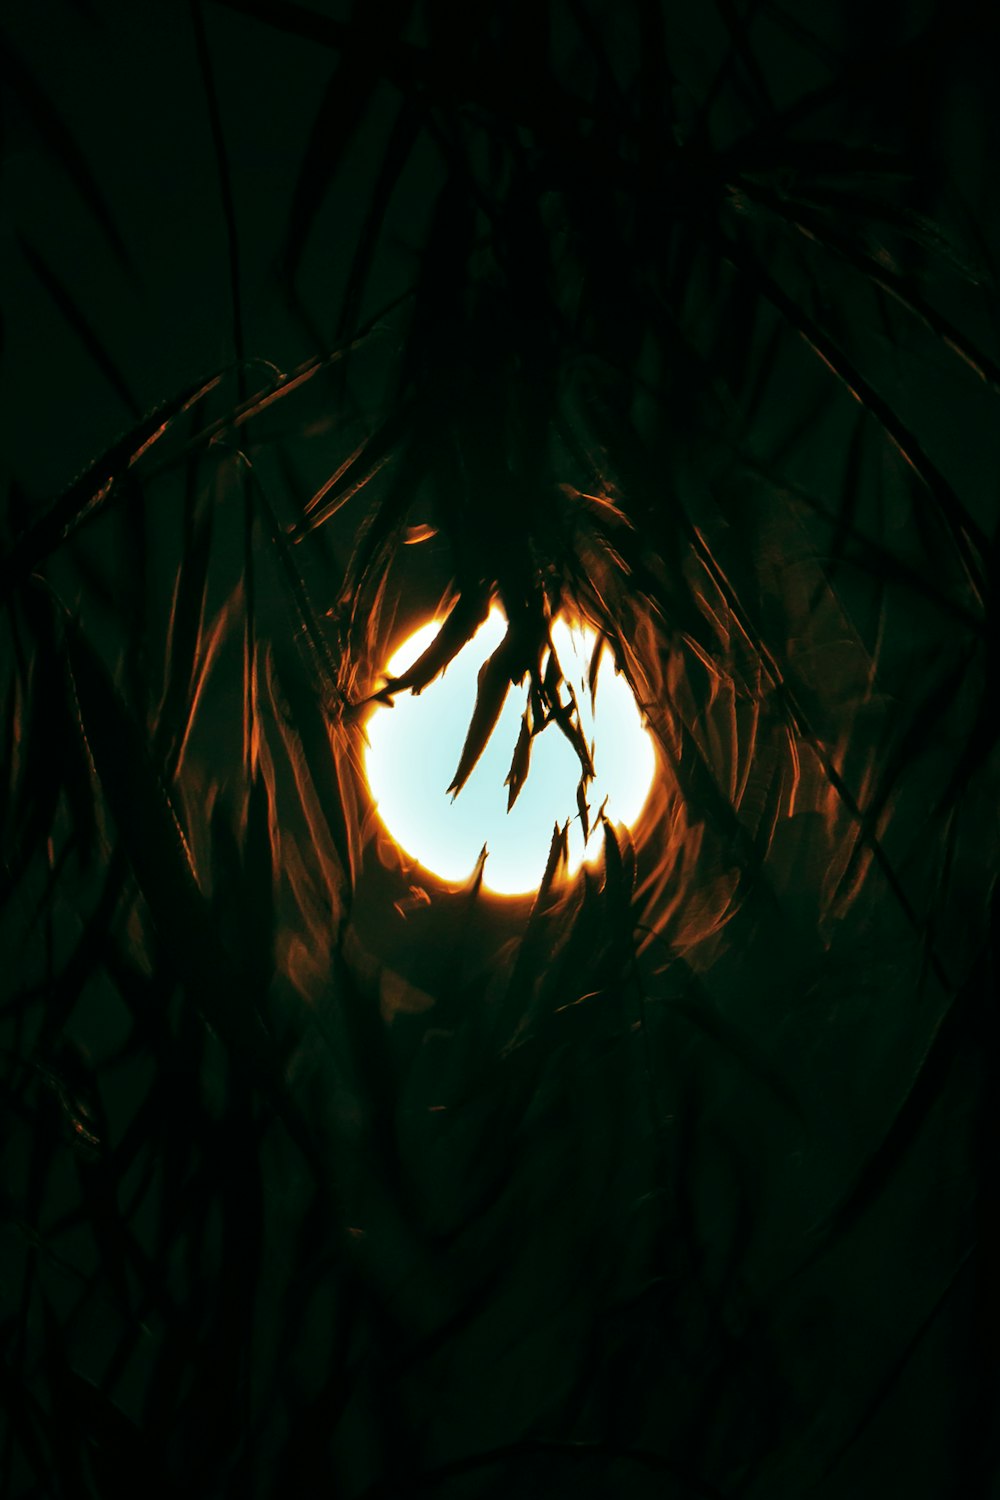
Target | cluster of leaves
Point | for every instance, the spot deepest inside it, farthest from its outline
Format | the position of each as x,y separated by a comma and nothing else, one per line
316,1177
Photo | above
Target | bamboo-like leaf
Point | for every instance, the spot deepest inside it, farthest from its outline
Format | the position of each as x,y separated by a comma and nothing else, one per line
61,142
528,967
697,1009
461,624
222,168
824,230
51,766
312,752
965,532
583,809
492,686
742,48
520,762
185,626
160,856
80,324
872,557
360,469
398,150
897,1369
94,490
933,709
344,105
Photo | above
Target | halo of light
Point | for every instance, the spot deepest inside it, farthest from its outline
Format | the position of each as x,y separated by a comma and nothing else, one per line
414,747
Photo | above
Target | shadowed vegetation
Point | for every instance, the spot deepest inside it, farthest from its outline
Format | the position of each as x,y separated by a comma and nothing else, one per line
678,1178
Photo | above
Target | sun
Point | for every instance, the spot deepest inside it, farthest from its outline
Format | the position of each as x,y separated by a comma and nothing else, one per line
414,746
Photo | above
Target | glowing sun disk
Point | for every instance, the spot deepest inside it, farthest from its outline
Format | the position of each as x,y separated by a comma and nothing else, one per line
414,747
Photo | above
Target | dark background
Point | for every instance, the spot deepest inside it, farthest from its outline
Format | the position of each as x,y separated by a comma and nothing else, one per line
682,1181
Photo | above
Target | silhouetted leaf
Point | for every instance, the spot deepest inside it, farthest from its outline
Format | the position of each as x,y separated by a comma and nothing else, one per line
222,168
460,625
966,533
492,686
347,98
94,490
60,141
520,761
80,325
310,1162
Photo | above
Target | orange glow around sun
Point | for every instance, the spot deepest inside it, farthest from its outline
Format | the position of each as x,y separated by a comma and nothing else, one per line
414,748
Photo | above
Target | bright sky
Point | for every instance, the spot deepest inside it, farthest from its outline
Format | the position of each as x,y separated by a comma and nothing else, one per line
414,748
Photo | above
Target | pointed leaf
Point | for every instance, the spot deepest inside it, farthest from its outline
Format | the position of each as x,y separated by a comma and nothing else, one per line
491,694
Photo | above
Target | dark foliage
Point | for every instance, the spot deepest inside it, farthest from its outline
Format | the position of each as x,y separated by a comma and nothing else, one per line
319,1178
